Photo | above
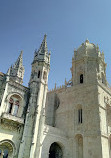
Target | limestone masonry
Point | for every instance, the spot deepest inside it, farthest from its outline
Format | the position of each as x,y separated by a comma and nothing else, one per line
72,121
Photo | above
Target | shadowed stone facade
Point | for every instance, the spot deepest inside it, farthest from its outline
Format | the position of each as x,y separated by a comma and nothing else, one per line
72,121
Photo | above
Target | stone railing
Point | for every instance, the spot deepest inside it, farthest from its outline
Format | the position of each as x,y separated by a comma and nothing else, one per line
66,85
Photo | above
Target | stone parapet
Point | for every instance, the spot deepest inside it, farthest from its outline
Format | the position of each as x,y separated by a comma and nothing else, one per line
12,118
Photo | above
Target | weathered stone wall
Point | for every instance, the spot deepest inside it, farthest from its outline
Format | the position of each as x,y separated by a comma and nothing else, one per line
66,117
10,133
105,121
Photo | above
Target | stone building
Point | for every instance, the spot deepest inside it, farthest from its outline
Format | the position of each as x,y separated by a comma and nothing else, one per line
73,121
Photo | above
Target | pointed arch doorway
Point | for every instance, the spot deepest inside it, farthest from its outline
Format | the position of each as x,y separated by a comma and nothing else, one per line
55,151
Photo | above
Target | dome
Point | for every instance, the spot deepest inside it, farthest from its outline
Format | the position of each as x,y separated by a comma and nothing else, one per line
88,49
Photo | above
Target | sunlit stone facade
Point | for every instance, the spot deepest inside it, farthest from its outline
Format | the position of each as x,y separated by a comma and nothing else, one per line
70,121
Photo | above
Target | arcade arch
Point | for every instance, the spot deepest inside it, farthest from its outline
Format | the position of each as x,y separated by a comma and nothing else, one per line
55,151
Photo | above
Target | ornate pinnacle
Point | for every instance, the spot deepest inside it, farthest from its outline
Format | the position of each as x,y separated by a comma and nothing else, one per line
42,53
8,72
97,47
45,36
87,41
19,61
43,48
102,53
65,82
21,54
55,86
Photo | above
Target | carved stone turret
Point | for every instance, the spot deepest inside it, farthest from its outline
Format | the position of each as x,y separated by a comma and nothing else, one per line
36,110
16,72
42,54
88,65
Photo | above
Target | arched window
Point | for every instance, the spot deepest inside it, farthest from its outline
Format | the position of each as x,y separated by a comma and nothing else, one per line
80,120
39,74
79,146
55,151
81,78
6,149
11,101
13,105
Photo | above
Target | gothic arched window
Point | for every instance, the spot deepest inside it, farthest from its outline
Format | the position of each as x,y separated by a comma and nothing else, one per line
14,103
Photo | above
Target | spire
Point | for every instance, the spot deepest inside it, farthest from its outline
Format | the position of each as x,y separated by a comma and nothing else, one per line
97,47
16,72
87,41
43,48
42,53
19,62
55,86
9,71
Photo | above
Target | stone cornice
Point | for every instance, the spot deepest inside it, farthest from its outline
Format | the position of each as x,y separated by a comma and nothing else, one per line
10,122
77,87
18,86
12,118
80,87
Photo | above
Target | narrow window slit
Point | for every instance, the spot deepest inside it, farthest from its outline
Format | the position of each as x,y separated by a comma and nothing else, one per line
81,78
38,74
80,120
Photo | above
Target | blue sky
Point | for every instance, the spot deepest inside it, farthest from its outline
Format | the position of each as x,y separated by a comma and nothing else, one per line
67,23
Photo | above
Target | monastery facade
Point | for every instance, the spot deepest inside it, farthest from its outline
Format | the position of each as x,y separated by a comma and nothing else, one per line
72,121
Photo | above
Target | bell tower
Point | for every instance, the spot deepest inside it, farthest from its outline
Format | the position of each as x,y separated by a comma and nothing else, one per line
88,65
33,129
